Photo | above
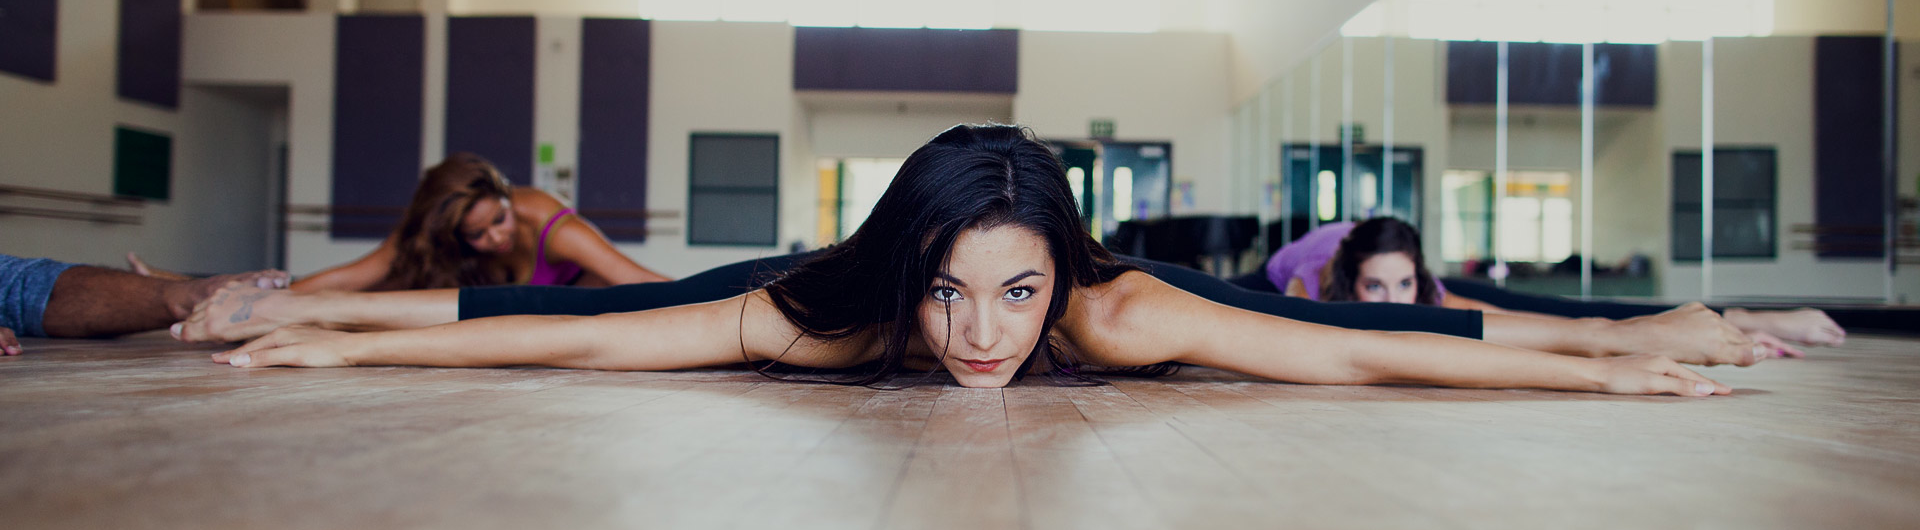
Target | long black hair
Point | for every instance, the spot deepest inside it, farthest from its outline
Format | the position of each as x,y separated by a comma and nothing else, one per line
1380,235
968,177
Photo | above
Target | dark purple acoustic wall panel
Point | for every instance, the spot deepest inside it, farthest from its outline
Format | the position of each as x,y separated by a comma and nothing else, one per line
614,69
1848,179
149,66
28,37
1549,74
928,60
376,121
490,91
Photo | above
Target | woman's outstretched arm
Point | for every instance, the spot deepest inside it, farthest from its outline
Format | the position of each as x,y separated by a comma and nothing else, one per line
361,275
579,241
689,336
1138,320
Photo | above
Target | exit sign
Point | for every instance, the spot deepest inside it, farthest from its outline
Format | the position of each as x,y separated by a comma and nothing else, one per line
1100,128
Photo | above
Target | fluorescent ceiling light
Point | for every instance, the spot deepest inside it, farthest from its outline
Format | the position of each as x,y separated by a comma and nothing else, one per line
828,13
1367,23
753,10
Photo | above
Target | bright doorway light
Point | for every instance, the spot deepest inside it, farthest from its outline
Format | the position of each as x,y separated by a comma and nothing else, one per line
1077,178
1327,201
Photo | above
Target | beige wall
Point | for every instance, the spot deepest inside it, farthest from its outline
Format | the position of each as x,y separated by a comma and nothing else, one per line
1421,118
60,136
294,51
742,83
1156,87
1763,95
736,77
1270,38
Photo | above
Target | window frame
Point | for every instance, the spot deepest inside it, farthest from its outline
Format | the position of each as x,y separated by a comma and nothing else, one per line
1772,206
695,189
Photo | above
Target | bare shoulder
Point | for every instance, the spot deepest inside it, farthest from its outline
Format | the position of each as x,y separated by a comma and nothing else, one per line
1103,302
768,335
1110,322
531,203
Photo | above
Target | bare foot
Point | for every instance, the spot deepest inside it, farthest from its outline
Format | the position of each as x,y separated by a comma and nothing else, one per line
237,311
1693,334
141,267
1775,347
1806,325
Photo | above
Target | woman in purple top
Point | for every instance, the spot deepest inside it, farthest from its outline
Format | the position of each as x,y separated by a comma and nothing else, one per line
1380,260
1383,263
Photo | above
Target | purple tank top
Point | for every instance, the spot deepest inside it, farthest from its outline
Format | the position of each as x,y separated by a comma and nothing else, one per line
1304,258
544,273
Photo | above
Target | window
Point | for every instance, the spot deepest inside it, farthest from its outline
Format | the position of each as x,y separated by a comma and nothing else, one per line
1533,223
849,189
862,184
734,189
1743,203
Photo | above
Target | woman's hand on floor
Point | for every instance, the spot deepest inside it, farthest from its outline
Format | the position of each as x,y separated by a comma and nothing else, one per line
1651,374
291,346
9,344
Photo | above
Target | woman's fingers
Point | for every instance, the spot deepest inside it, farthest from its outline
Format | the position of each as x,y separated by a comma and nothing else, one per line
1659,375
9,344
252,356
1681,386
1702,386
289,346
313,355
279,338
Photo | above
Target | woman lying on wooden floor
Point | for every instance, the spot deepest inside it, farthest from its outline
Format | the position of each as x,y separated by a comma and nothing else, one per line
1380,260
980,265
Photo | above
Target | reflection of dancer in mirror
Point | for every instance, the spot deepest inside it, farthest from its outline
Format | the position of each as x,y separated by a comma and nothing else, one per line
975,260
47,298
1380,260
467,226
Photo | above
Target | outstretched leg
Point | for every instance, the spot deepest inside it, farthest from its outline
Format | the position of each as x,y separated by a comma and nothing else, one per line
1804,326
1691,334
242,312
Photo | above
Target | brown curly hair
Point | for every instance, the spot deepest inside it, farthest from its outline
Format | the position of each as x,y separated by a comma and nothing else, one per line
431,252
1380,235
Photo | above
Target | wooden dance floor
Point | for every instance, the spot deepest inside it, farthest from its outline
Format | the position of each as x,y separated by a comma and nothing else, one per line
145,433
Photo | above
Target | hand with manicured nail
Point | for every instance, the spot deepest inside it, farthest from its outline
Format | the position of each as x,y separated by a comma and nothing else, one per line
290,346
1648,374
9,344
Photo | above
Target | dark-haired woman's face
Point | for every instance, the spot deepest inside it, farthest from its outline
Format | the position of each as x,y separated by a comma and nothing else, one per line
488,226
1388,277
995,291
